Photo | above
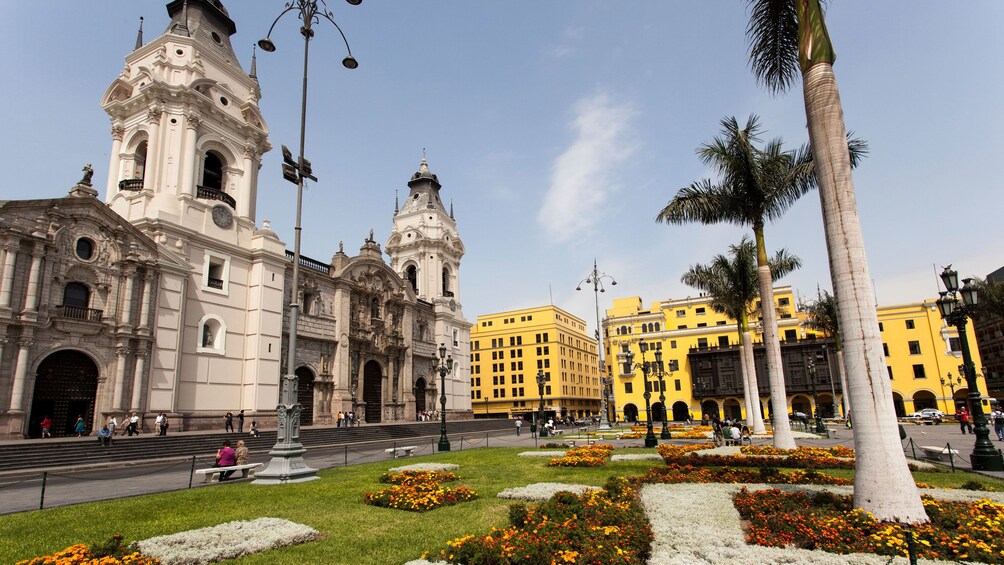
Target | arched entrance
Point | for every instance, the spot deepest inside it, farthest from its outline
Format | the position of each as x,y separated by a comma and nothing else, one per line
961,398
657,411
897,402
305,395
681,412
630,413
801,404
825,406
924,399
710,407
66,385
732,409
419,397
373,392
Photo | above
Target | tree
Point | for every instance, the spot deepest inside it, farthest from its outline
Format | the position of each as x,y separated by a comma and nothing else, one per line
755,185
733,286
788,39
821,315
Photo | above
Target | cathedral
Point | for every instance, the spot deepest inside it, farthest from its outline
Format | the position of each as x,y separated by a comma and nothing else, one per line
168,297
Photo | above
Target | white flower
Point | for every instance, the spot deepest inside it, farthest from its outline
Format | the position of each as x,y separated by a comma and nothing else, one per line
542,453
226,541
637,457
543,491
425,467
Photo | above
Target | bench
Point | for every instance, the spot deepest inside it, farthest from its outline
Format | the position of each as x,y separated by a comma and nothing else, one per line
405,450
214,472
937,453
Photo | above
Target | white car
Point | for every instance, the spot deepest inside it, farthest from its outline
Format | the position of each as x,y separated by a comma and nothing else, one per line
932,413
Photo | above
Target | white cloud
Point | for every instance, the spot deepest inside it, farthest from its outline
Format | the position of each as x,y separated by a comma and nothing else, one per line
584,176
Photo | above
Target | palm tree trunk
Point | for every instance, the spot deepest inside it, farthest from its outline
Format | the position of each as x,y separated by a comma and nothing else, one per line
783,438
883,484
754,415
844,403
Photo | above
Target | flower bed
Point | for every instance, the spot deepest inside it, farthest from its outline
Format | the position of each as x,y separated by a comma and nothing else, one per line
687,474
958,530
837,451
418,492
690,434
674,451
606,526
585,456
226,541
113,552
803,461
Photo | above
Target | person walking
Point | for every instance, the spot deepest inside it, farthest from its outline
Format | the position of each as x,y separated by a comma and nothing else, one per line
46,424
162,424
240,422
112,424
80,428
133,427
228,422
997,417
519,425
963,415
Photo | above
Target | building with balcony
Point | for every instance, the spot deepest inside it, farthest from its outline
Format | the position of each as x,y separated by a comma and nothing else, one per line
509,350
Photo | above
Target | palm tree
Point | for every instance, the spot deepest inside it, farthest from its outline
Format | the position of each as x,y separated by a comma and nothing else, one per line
756,185
732,284
821,315
788,39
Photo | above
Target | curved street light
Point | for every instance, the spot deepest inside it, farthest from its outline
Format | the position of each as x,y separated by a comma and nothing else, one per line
444,368
984,457
595,278
660,373
287,464
645,366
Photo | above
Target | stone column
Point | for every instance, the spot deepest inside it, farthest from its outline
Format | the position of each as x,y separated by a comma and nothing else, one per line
115,162
144,308
152,149
244,195
10,255
187,184
125,317
20,376
137,379
34,278
118,387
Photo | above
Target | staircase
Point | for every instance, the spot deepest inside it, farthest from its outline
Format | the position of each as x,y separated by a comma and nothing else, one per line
66,452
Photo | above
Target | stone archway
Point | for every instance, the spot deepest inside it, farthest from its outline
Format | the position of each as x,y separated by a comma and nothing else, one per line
420,393
657,411
732,409
801,404
897,402
825,406
305,395
373,392
924,399
681,412
710,407
66,386
630,413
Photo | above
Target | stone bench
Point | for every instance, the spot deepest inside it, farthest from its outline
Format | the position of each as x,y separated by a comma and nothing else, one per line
937,453
213,473
402,451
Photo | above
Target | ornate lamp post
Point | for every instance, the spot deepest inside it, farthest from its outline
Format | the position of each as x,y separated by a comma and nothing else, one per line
660,373
810,365
984,457
287,463
629,367
951,385
541,379
444,368
486,407
595,278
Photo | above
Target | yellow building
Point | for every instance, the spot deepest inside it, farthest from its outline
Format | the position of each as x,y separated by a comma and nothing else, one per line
509,349
700,353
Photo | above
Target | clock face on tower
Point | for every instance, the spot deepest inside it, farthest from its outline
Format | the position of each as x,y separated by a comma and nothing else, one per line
222,216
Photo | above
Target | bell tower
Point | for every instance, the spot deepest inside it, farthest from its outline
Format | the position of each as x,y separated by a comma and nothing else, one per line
187,133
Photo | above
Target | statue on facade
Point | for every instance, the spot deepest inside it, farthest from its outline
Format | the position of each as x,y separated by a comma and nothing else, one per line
88,173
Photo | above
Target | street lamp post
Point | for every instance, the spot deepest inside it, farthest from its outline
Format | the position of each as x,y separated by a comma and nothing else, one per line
629,367
444,367
811,367
660,373
951,385
595,278
984,457
541,379
287,464
486,407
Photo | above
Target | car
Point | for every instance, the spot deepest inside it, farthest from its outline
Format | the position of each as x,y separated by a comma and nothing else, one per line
932,413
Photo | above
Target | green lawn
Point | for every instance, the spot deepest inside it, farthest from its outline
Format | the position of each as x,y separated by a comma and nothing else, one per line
352,532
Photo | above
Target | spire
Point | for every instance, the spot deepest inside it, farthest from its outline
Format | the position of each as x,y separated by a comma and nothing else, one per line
139,36
181,28
451,210
397,208
254,63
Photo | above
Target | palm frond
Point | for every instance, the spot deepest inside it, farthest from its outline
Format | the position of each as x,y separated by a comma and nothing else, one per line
772,33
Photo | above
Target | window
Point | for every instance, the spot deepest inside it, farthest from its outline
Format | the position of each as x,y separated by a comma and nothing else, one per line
215,277
720,323
888,368
683,327
782,301
702,342
885,349
702,325
674,365
77,295
918,372
914,347
681,313
881,327
85,249
514,391
677,384
212,335
909,324
699,311
411,274
547,390
672,344
790,335
375,308
212,171
723,341
954,344
628,388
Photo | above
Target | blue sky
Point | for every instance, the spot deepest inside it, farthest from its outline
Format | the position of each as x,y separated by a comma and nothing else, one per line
559,130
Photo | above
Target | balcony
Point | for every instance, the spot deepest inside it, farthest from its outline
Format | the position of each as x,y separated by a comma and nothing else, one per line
214,283
79,313
206,193
312,264
132,185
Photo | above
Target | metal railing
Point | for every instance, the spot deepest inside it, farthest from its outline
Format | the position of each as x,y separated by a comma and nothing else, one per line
80,313
206,193
132,185
312,264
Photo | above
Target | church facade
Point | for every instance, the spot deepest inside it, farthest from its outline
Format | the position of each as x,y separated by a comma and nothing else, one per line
168,296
